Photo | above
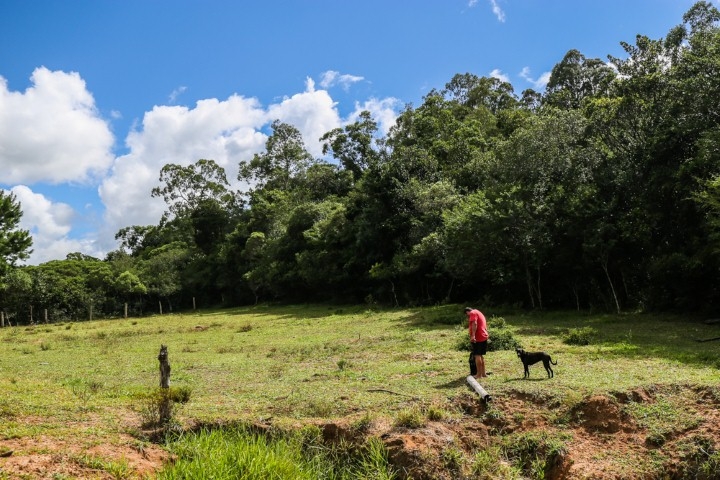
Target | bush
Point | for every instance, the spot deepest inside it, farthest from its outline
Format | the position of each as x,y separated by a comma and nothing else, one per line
502,340
501,337
579,336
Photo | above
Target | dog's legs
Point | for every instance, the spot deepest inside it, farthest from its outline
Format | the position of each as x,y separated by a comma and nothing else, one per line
548,369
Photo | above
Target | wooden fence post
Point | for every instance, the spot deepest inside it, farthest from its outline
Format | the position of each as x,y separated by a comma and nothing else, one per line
193,303
165,406
160,303
125,309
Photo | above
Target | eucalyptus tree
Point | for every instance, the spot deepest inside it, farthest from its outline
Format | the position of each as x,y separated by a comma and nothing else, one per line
577,78
354,145
283,162
15,242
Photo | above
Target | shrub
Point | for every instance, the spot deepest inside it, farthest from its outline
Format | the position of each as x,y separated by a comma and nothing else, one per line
579,336
501,337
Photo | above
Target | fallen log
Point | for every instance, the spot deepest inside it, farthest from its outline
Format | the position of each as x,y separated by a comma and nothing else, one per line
472,381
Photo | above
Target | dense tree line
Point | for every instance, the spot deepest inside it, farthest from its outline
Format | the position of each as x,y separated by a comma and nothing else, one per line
602,192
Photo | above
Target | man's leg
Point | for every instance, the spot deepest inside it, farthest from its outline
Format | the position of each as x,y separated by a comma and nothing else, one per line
480,366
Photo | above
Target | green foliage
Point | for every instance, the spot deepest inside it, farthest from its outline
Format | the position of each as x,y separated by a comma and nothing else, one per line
239,453
534,452
662,418
501,337
579,336
156,407
410,418
14,243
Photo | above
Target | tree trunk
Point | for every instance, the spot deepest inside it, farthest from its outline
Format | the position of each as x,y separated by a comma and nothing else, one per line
160,305
125,309
612,287
528,279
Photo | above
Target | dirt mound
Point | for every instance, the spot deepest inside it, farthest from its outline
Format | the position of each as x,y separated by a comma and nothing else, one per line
602,414
596,438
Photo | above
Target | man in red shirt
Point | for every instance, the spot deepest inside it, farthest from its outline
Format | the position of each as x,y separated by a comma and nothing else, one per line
477,327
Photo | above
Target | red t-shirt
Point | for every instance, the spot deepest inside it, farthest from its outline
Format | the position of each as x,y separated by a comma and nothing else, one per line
481,333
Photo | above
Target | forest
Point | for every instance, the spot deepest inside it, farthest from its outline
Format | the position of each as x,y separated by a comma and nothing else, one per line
600,193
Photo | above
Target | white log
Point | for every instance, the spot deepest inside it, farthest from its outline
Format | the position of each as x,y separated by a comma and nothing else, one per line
472,381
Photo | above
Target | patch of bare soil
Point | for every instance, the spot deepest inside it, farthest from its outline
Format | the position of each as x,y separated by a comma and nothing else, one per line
593,439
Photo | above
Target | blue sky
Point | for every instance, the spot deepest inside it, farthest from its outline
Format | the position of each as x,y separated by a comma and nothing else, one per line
97,95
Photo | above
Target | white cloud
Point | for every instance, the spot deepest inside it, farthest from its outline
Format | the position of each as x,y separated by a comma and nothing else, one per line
227,132
50,226
499,75
331,78
224,131
383,112
52,132
497,10
539,83
312,112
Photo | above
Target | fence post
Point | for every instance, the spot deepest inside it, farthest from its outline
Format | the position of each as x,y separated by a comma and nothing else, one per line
165,401
125,309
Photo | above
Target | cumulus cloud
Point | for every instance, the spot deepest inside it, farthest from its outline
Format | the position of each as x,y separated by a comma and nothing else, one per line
52,132
227,131
499,75
312,112
538,84
50,224
224,131
331,78
383,112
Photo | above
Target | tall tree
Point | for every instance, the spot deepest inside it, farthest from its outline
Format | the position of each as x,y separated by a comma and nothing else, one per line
285,159
353,145
15,243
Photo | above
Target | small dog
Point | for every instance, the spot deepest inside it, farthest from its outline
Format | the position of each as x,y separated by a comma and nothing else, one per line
531,358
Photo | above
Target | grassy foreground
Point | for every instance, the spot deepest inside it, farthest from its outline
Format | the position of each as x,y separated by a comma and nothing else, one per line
292,364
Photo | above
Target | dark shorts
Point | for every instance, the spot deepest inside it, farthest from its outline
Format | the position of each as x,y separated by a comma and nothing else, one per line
479,348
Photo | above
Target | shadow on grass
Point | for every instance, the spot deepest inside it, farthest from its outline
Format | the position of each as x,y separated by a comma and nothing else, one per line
670,337
452,384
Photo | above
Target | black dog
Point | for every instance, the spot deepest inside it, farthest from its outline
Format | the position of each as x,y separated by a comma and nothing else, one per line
531,358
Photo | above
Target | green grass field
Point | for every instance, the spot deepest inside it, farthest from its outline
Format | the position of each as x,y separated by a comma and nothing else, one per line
291,364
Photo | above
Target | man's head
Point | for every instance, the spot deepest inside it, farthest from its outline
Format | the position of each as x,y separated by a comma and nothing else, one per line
468,310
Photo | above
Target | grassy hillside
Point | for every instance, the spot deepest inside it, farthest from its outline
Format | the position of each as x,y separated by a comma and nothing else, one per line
291,365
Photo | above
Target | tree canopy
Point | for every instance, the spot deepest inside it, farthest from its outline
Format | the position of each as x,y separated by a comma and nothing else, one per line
603,192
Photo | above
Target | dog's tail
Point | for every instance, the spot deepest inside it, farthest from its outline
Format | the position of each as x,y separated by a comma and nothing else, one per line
554,363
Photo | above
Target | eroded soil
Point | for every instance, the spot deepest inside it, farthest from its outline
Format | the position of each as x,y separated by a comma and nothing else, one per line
596,438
